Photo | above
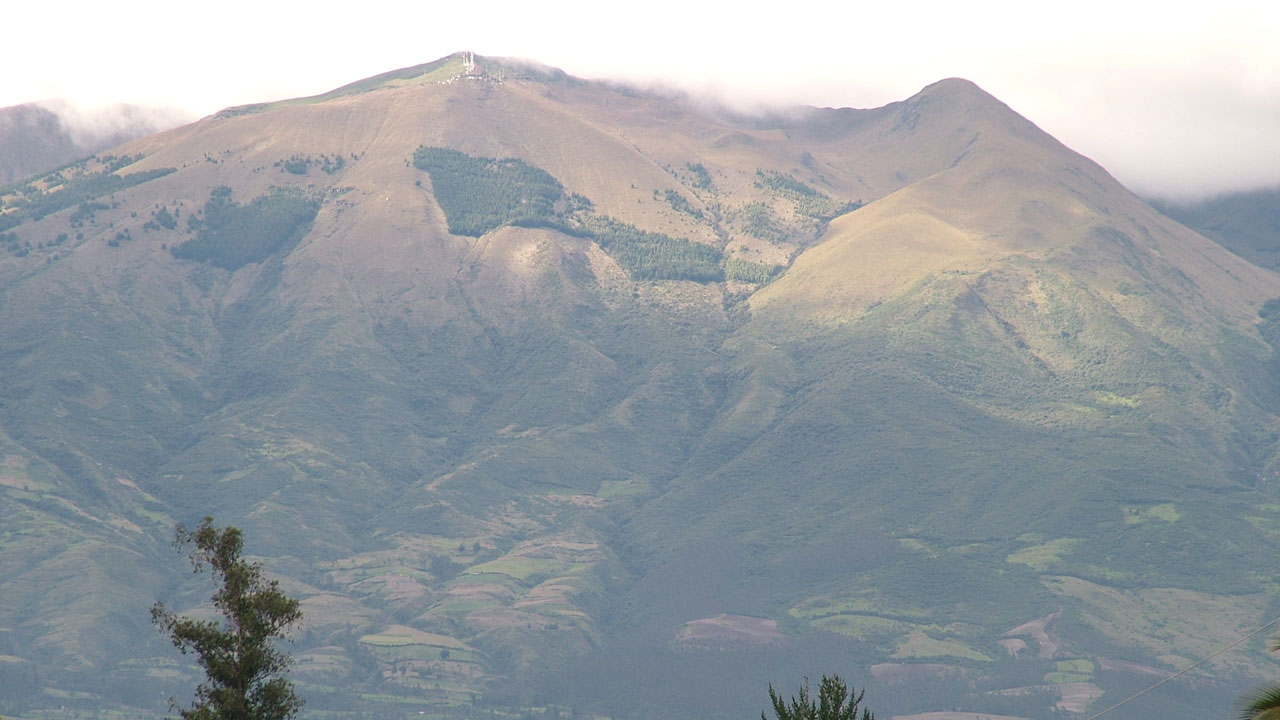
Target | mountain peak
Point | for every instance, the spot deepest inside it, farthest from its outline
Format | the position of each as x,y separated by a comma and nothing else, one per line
956,100
955,86
959,92
990,187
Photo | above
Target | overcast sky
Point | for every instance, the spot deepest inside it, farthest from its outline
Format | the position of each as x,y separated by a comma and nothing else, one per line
1173,98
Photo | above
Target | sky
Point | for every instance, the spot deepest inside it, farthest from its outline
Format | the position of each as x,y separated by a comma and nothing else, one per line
1178,100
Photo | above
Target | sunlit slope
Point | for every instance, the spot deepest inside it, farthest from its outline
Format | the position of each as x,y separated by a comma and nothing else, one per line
375,393
1021,372
1017,290
1012,191
1048,271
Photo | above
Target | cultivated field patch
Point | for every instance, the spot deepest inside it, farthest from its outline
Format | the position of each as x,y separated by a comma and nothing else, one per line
1171,623
1164,511
909,672
958,716
397,635
727,629
863,627
1038,629
519,567
1077,696
1044,555
919,644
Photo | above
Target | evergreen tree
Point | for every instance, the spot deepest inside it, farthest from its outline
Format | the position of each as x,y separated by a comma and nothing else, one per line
242,667
835,702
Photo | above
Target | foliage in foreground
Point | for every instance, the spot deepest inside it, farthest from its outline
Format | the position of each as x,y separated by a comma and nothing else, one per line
242,667
1263,703
836,701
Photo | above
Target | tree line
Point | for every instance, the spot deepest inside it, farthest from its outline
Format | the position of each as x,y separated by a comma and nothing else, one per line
35,204
231,235
481,194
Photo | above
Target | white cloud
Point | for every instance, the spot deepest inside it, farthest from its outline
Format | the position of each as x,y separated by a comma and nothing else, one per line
1173,100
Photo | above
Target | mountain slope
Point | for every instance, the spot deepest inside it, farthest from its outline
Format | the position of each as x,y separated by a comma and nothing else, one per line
936,380
36,138
1009,364
1247,223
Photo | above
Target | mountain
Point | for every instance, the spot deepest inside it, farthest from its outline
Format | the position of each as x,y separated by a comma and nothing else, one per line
1248,223
547,395
39,137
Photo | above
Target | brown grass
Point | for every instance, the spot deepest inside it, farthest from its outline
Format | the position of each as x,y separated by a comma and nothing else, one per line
1039,631
1076,697
909,672
726,629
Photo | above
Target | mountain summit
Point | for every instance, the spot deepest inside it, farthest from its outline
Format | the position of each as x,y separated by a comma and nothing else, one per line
997,188
549,395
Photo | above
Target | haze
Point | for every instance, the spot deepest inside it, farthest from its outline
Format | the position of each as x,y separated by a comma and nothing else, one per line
1180,103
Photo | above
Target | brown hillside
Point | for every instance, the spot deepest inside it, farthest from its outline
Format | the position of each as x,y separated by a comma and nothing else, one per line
992,188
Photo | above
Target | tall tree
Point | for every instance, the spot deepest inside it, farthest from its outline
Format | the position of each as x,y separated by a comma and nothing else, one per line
836,701
242,667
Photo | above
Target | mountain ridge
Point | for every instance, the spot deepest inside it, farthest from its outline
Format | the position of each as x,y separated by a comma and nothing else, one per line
41,136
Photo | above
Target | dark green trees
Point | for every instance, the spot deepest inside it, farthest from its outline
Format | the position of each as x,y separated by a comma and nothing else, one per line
835,702
479,194
231,235
242,667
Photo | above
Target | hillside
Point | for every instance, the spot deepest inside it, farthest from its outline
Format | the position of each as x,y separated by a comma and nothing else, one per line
547,395
1248,223
37,138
